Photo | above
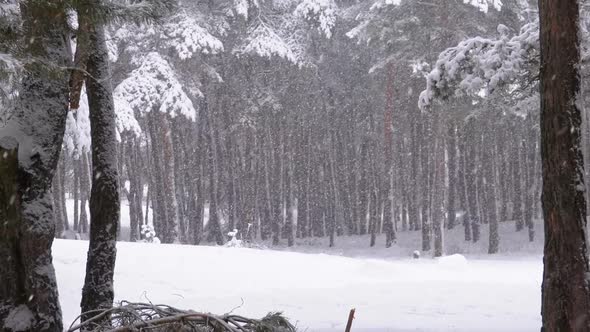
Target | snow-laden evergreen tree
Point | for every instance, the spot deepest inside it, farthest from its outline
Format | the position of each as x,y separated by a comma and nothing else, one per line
405,36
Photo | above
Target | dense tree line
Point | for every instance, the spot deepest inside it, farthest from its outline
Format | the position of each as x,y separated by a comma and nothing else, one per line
289,119
314,133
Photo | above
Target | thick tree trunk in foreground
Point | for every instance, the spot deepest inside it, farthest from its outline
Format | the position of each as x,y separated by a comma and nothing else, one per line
28,287
565,289
104,197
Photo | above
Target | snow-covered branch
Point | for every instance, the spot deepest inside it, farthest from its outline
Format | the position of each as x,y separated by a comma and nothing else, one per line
479,66
155,86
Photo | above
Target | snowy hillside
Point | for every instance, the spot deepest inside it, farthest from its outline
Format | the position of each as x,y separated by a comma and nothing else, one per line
317,290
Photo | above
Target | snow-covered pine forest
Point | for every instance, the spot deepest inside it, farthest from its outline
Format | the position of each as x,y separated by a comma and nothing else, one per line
301,119
389,131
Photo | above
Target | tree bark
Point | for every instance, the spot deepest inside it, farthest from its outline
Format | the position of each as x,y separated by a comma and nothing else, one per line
565,288
98,291
27,276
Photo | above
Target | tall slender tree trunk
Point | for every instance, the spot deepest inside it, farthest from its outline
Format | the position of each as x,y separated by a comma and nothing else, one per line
76,187
388,124
58,213
133,192
494,236
180,161
501,138
160,212
565,288
62,191
452,173
84,191
172,223
517,214
530,156
471,179
461,183
214,233
98,291
290,222
425,199
414,213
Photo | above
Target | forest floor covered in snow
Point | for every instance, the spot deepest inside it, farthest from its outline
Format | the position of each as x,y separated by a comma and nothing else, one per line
316,290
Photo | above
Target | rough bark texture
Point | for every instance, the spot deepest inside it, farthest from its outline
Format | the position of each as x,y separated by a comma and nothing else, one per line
104,197
565,289
27,229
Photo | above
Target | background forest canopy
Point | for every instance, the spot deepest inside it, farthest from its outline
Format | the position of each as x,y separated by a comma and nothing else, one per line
289,119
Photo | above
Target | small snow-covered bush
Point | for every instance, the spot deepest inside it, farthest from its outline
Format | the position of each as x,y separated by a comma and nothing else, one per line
234,242
149,234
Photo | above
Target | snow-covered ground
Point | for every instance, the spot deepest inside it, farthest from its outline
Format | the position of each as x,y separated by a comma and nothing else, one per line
317,290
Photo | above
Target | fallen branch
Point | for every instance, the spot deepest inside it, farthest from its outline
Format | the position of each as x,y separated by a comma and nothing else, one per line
134,317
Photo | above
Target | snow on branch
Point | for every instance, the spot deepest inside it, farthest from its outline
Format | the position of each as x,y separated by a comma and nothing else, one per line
321,12
125,117
264,42
242,7
187,37
77,135
155,86
483,5
479,66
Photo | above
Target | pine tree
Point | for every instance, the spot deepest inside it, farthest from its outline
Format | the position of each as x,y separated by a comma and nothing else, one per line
98,289
565,288
34,137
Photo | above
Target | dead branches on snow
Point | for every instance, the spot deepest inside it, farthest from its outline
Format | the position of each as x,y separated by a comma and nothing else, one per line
135,317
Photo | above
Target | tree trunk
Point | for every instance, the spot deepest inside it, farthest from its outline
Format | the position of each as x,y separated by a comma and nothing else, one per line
172,232
530,179
471,179
414,209
214,233
134,191
98,291
517,214
452,175
425,199
494,236
58,214
461,184
438,187
289,197
84,192
27,276
76,179
565,288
